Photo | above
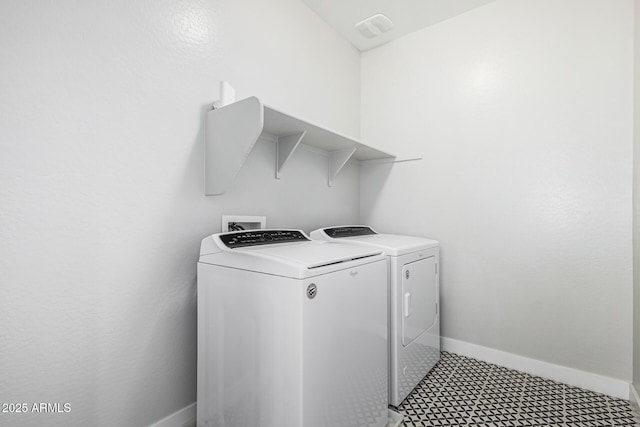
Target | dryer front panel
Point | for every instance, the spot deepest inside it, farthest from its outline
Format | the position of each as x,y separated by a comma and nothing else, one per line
419,296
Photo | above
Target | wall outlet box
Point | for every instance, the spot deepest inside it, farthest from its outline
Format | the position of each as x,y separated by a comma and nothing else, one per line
243,222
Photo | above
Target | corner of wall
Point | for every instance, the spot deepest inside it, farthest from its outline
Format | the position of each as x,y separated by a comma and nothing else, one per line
633,396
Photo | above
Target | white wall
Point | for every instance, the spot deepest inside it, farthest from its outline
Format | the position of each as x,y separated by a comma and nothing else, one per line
636,198
101,185
522,110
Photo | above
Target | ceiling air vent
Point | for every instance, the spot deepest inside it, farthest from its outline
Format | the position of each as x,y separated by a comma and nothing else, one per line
374,25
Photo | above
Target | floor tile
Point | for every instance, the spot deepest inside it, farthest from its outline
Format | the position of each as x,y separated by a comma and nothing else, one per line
461,391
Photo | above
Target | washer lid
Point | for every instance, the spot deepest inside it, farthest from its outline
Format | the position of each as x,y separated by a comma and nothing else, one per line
392,244
287,253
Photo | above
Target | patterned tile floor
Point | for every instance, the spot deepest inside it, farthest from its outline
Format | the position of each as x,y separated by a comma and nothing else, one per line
460,391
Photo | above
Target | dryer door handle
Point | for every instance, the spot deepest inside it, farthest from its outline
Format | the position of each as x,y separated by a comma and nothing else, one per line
407,304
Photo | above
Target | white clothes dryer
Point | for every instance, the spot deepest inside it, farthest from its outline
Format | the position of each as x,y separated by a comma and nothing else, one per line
414,320
291,332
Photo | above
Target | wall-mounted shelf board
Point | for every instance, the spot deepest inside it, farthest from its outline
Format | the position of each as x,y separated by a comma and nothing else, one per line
232,131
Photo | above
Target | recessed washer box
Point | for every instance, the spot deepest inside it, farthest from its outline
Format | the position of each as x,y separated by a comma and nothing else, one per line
245,222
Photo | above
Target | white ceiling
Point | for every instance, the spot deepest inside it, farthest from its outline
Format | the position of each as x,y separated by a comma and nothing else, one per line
407,16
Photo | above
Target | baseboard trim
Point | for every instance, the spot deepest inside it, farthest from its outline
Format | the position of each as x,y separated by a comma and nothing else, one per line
594,382
178,418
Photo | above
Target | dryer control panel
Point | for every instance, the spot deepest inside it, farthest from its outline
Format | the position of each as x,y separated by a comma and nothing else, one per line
349,231
261,237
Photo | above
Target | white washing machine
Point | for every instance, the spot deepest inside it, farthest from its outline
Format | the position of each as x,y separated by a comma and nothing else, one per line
291,332
414,320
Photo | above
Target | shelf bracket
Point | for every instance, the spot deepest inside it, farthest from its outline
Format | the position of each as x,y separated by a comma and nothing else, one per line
337,160
285,146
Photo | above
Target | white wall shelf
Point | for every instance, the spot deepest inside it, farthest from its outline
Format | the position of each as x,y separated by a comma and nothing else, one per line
232,131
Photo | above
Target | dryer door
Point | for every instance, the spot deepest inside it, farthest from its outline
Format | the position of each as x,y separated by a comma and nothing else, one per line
419,298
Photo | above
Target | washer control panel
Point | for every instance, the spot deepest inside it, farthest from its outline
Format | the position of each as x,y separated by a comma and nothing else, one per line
261,237
349,231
